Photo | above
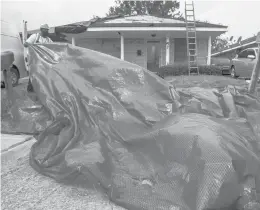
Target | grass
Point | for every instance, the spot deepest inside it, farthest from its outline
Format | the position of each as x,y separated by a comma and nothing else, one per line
198,80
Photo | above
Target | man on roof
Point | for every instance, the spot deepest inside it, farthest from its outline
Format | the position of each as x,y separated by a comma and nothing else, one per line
41,38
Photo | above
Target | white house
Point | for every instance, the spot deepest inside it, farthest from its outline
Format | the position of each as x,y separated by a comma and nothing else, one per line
146,40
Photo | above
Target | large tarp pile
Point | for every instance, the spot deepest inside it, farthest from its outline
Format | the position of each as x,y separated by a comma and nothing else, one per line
138,139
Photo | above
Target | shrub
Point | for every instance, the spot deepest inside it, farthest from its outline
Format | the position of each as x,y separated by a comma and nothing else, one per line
177,70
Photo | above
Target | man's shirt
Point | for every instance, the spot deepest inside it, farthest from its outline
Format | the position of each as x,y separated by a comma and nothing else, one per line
33,39
37,38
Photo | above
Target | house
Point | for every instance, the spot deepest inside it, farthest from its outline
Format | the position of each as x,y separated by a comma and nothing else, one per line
145,40
231,51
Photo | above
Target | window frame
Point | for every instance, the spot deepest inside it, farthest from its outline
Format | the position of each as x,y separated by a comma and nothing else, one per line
244,51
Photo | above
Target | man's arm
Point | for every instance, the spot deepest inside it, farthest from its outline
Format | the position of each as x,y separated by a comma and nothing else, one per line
30,40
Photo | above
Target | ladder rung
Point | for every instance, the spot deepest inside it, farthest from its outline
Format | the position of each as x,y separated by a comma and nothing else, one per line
191,38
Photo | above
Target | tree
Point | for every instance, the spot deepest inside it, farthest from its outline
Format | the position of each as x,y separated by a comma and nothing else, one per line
166,9
219,43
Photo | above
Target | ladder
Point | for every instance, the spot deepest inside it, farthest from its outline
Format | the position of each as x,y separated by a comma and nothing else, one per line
191,38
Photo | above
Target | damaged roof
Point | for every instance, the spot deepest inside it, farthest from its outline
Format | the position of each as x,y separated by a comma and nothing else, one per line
147,20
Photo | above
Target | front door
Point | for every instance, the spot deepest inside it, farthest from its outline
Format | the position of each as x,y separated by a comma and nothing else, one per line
153,55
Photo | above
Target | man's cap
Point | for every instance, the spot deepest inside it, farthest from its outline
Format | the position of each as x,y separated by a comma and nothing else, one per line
45,26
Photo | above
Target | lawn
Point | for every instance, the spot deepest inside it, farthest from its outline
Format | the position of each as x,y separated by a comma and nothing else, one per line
211,81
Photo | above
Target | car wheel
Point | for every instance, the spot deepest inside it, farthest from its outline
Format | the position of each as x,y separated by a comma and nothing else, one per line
233,72
14,76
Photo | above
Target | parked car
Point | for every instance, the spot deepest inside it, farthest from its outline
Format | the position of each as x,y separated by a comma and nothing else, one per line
11,41
243,64
223,64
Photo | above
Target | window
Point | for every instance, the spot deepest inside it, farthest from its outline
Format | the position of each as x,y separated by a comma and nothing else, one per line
251,52
243,54
139,52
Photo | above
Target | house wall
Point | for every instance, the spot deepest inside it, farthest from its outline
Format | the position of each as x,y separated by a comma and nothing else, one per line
107,46
112,47
202,45
131,48
178,49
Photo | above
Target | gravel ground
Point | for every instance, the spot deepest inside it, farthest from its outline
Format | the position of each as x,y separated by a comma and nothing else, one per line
23,188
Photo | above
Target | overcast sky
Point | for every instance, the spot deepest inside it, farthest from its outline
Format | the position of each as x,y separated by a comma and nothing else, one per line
242,17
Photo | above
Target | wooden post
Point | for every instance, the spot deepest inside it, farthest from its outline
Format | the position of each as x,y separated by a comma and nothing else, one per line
255,73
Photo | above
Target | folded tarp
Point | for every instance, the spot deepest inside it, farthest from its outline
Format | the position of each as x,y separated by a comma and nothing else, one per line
136,138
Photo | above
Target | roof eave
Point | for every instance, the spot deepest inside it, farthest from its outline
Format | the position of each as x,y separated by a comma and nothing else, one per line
199,25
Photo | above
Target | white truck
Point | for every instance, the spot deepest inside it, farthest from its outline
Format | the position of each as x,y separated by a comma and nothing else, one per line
11,42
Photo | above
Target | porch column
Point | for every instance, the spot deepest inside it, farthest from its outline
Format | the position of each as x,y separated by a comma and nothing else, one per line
122,47
167,60
73,42
209,51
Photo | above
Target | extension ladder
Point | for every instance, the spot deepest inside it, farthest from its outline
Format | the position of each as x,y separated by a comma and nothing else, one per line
191,38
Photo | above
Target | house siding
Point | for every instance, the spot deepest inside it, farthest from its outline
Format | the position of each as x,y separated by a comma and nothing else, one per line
131,48
181,50
112,47
178,49
202,51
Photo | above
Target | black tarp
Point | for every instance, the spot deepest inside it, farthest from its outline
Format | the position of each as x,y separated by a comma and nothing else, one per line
71,29
142,142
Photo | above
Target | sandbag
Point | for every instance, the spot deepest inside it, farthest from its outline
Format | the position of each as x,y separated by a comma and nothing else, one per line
138,139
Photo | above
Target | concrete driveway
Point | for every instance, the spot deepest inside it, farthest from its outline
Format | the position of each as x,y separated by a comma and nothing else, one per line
23,188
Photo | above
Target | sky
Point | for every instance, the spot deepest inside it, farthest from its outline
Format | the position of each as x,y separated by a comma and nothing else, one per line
242,17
